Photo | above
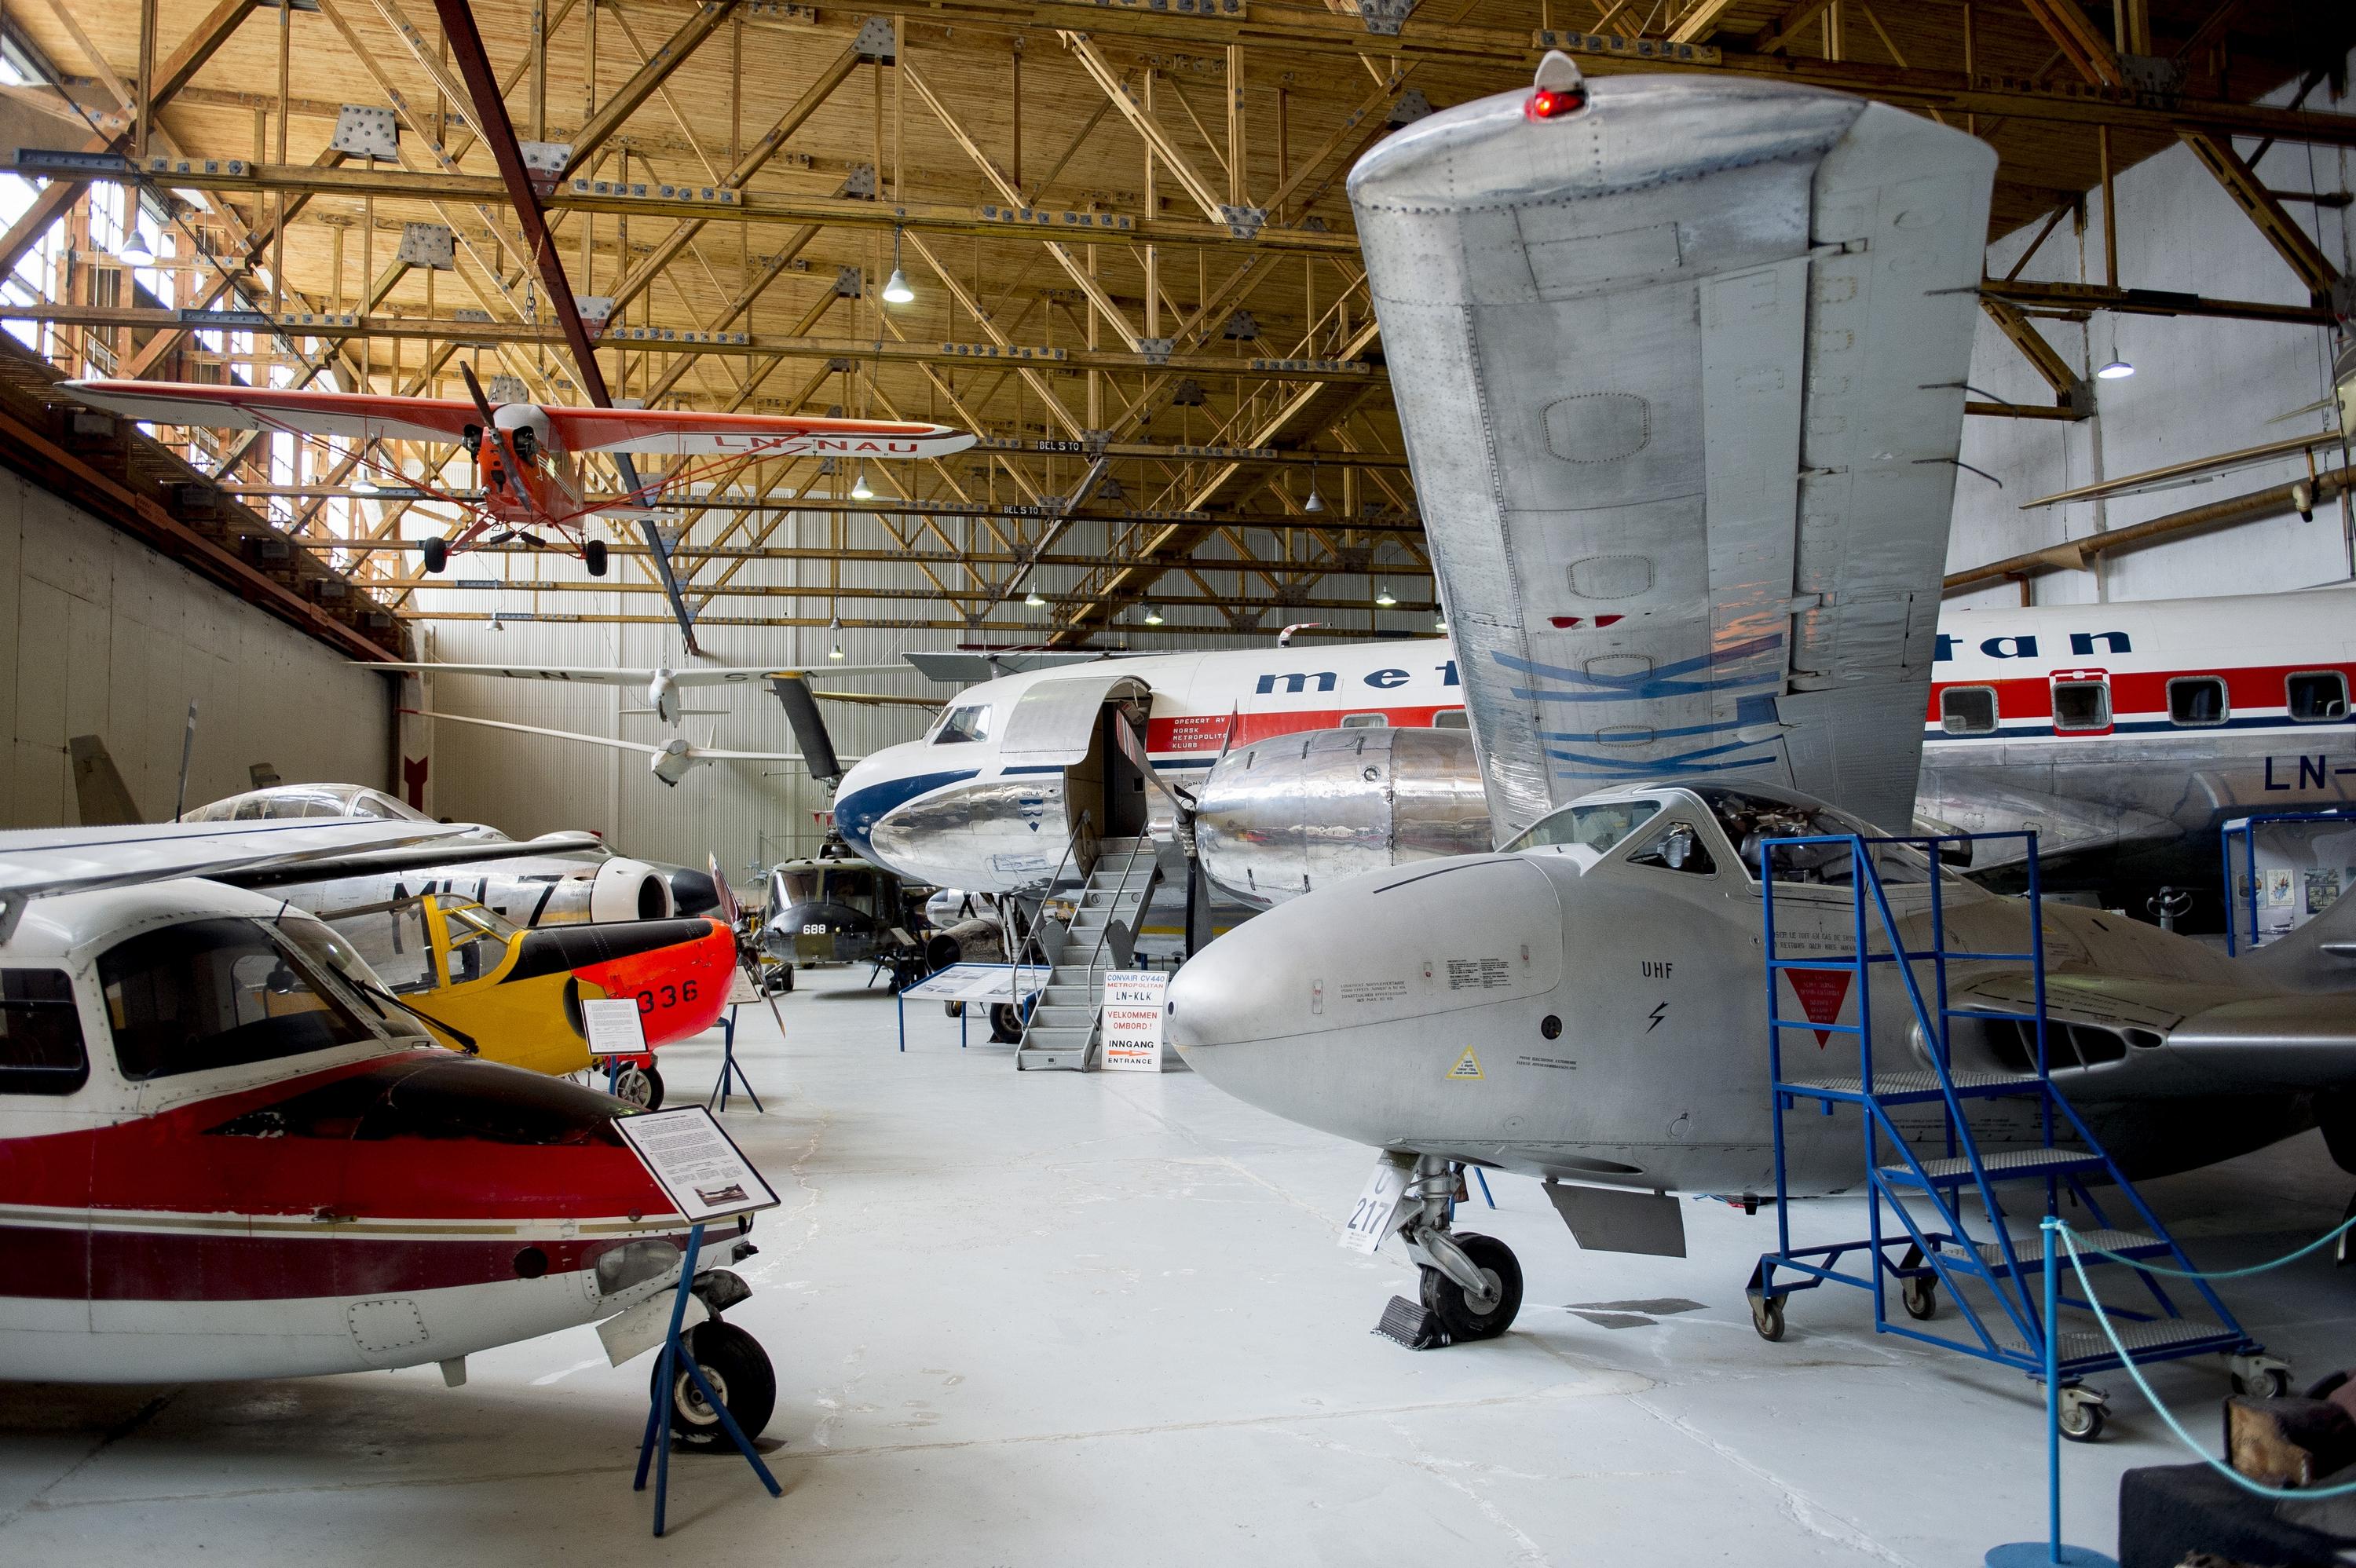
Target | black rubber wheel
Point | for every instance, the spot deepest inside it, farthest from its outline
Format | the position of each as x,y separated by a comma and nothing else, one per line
1005,1023
1920,1296
738,1371
2272,1383
1767,1317
789,983
1447,1301
437,553
2082,1420
641,1087
592,556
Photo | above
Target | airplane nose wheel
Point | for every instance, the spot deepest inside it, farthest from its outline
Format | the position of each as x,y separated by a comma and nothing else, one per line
641,1087
738,1370
1456,1310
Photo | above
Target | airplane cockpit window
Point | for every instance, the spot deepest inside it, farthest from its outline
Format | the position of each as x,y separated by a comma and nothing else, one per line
1968,710
216,993
1452,718
1597,826
1677,848
391,940
855,889
2316,696
1749,820
331,951
41,1049
478,942
970,724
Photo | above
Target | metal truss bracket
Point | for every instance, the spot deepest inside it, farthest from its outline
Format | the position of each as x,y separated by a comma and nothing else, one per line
2079,399
860,182
2153,79
874,41
1241,326
849,283
1228,10
363,132
1577,42
1383,18
1155,349
506,389
595,311
1412,106
429,245
543,163
1243,222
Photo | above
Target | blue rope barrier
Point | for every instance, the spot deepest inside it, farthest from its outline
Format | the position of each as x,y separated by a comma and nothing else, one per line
2273,1494
2146,1266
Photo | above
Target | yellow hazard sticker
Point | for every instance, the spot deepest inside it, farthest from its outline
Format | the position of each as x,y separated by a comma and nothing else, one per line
1468,1066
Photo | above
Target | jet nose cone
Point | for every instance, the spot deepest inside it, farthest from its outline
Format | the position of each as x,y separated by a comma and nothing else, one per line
1344,1007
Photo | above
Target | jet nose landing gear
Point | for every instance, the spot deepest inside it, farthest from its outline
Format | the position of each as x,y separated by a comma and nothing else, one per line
1471,1285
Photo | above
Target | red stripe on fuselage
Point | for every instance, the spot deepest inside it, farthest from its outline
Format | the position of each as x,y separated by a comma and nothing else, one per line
2259,687
1194,734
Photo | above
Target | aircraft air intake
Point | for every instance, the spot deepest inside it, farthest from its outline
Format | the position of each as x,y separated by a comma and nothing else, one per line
628,889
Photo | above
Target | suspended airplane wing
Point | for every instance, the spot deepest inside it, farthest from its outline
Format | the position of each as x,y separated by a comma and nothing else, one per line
694,674
44,862
2194,472
669,762
882,699
1684,423
364,416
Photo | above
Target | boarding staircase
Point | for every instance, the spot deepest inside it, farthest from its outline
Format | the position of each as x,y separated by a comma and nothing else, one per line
1937,1201
1065,1025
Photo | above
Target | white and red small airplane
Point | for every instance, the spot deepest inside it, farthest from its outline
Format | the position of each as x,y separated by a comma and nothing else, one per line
529,452
227,1151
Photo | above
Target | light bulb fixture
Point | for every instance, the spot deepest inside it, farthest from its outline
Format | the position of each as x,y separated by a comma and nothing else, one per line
835,626
859,490
135,250
363,485
1440,624
1032,599
1315,503
1383,596
2116,370
897,289
1152,616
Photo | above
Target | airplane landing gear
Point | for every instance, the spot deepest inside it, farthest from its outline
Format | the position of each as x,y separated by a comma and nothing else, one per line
1471,1284
436,552
738,1370
641,1087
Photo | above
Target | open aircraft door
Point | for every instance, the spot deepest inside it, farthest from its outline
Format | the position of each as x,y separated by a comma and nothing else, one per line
1061,731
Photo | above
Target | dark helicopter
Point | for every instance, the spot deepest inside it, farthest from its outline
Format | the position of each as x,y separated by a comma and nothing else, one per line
839,909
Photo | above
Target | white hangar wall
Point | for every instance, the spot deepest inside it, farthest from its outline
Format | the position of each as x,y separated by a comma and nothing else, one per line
2201,387
101,635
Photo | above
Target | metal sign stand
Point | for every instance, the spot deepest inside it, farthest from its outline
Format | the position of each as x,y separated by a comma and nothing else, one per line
656,1445
2051,1551
731,1068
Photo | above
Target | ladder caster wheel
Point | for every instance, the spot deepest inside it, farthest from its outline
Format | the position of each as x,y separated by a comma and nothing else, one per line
1767,1317
2084,1412
2260,1377
1920,1296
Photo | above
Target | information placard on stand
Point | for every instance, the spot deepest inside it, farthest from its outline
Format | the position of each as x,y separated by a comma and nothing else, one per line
707,1176
1134,1006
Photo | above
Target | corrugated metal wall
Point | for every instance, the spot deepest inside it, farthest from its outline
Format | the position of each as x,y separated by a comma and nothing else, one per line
99,635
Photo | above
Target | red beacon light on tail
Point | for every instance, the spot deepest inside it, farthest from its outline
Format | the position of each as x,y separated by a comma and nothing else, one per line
1559,90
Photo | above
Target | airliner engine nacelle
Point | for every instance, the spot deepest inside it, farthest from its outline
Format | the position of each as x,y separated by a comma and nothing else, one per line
628,889
1281,817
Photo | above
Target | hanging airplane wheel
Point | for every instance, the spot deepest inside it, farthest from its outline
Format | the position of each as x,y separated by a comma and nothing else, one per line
641,1087
593,555
437,553
1005,1024
738,1370
1447,1300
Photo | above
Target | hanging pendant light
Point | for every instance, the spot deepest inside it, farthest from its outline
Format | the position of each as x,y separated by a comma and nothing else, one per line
835,626
859,490
1440,624
135,250
1315,503
895,288
1152,616
1032,599
1383,595
2116,370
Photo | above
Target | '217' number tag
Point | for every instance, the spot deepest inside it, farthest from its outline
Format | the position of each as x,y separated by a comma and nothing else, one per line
1377,1214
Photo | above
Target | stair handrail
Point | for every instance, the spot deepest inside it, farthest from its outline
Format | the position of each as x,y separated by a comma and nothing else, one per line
1105,932
1030,936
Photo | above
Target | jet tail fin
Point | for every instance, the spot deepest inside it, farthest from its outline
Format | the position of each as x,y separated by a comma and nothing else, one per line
99,793
2319,956
809,726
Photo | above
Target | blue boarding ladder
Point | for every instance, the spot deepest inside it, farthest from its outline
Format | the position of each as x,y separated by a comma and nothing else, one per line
1924,1183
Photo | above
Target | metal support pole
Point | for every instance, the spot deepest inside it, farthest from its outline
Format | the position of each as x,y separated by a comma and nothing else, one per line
2050,1553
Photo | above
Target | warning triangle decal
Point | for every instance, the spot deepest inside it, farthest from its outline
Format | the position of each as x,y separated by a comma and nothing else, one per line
1467,1066
1821,994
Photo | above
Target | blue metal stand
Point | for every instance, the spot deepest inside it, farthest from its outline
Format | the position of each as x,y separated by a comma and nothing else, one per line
655,1447
2050,1553
1938,1250
730,1068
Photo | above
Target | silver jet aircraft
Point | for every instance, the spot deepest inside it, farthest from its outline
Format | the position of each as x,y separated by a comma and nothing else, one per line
1680,366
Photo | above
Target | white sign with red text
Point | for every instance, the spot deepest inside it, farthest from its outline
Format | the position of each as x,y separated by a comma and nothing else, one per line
1134,1004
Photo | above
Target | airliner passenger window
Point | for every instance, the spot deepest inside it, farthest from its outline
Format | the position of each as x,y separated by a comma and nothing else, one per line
2196,700
1968,710
216,993
1452,718
2082,705
1366,721
2316,696
964,724
41,1034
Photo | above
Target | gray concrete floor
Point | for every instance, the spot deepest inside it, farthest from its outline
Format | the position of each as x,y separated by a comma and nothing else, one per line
1055,1318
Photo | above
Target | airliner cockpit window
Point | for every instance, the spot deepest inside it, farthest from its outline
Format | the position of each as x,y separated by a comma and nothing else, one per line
964,724
1596,824
216,993
1751,820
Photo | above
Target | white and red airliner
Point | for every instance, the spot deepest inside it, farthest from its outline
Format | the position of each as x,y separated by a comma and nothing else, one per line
529,453
227,1151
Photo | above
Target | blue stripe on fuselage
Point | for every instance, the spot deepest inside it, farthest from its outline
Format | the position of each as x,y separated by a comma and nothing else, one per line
855,818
